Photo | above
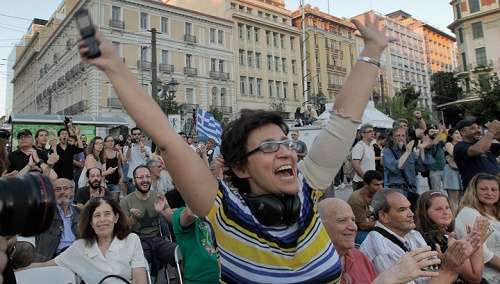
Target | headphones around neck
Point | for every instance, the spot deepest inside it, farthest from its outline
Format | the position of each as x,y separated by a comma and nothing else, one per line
273,209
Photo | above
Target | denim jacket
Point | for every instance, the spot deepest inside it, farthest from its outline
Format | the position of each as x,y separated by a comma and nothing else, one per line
47,242
393,175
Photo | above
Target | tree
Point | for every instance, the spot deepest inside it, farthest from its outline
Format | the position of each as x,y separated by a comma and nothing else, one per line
488,108
218,115
409,95
170,105
445,89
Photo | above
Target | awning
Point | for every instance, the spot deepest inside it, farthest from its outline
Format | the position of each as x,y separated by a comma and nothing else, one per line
371,115
461,101
101,121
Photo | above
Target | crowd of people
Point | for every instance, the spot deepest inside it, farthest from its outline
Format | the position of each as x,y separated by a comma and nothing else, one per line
252,209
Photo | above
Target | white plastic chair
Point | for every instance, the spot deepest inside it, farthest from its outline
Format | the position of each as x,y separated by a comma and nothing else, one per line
51,274
178,262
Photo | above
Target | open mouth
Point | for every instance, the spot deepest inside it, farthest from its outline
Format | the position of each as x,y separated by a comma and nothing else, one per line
285,171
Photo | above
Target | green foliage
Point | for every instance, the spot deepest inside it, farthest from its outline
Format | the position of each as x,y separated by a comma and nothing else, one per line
410,95
445,89
488,108
405,103
218,115
170,106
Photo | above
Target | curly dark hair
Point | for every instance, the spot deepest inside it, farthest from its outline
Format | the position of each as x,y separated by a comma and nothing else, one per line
431,231
234,141
85,231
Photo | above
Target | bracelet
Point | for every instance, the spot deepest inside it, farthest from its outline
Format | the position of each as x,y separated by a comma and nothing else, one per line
369,60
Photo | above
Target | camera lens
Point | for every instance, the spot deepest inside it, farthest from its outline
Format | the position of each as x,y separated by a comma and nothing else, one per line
27,205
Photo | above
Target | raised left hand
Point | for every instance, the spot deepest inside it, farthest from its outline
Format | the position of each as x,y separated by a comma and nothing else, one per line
160,203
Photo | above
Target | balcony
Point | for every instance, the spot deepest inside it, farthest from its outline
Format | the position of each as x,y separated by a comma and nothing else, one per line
224,109
189,108
143,65
114,103
167,68
334,87
337,68
190,38
484,66
219,75
189,71
76,108
116,24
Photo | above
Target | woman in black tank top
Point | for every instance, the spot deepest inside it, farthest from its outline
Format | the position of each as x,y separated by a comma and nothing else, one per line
112,159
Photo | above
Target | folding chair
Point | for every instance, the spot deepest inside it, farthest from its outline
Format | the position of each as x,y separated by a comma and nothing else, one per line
178,262
51,274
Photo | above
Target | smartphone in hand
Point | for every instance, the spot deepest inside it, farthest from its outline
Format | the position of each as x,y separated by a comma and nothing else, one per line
87,31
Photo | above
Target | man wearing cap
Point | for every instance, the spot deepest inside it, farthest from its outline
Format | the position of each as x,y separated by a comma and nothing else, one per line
477,153
363,155
26,158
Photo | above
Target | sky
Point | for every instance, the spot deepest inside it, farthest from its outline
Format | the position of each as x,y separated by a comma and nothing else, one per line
15,15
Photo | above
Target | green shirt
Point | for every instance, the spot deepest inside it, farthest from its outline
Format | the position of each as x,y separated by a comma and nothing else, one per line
436,154
148,225
198,248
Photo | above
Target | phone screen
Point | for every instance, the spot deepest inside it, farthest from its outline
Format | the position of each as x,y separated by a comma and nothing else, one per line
83,21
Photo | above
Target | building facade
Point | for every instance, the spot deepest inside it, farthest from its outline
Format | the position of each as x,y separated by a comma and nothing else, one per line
193,48
477,28
405,60
330,51
267,72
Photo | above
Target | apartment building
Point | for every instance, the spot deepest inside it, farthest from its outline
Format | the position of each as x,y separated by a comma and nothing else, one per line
439,46
193,48
267,73
404,61
477,28
330,50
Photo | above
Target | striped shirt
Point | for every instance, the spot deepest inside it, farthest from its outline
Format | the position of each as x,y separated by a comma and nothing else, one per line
253,253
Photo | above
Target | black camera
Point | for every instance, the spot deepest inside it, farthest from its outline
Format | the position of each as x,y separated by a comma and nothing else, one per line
87,31
27,205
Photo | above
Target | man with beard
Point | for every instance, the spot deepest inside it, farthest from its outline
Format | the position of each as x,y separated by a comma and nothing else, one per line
64,167
401,164
94,189
63,229
144,209
477,153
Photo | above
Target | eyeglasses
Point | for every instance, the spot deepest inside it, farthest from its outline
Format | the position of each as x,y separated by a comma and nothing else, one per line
273,146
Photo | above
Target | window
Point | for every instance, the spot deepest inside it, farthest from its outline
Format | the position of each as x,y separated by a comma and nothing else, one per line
481,57
144,53
214,96
213,64
220,38
295,91
275,18
251,86
277,64
249,32
292,44
278,89
189,60
223,96
477,30
250,58
144,21
116,46
164,56
268,38
164,25
212,35
188,28
294,66
221,65
190,96
283,63
242,57
271,88
461,35
285,90
256,34
240,30
269,62
260,14
282,41
116,13
257,60
275,39
243,82
474,6
259,87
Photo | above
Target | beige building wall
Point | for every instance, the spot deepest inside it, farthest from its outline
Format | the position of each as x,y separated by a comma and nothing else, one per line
477,29
65,85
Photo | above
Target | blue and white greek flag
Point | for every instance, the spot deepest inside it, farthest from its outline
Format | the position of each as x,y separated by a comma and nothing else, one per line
207,125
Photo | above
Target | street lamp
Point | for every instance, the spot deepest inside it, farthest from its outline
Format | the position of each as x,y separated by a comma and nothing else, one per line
171,87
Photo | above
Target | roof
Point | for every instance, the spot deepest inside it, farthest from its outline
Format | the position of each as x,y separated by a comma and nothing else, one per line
58,119
461,101
316,12
399,13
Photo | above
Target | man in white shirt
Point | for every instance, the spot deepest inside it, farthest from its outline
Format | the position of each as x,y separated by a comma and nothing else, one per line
137,153
363,155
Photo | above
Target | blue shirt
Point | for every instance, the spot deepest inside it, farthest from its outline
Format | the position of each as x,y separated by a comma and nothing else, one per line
393,175
67,235
470,166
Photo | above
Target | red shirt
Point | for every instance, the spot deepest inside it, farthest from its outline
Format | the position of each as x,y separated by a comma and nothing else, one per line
357,268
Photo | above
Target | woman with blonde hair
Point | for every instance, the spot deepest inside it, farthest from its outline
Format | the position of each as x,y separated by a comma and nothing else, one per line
482,198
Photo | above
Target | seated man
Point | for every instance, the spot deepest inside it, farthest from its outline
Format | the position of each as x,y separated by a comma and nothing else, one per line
144,207
338,219
394,235
360,201
94,188
63,229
